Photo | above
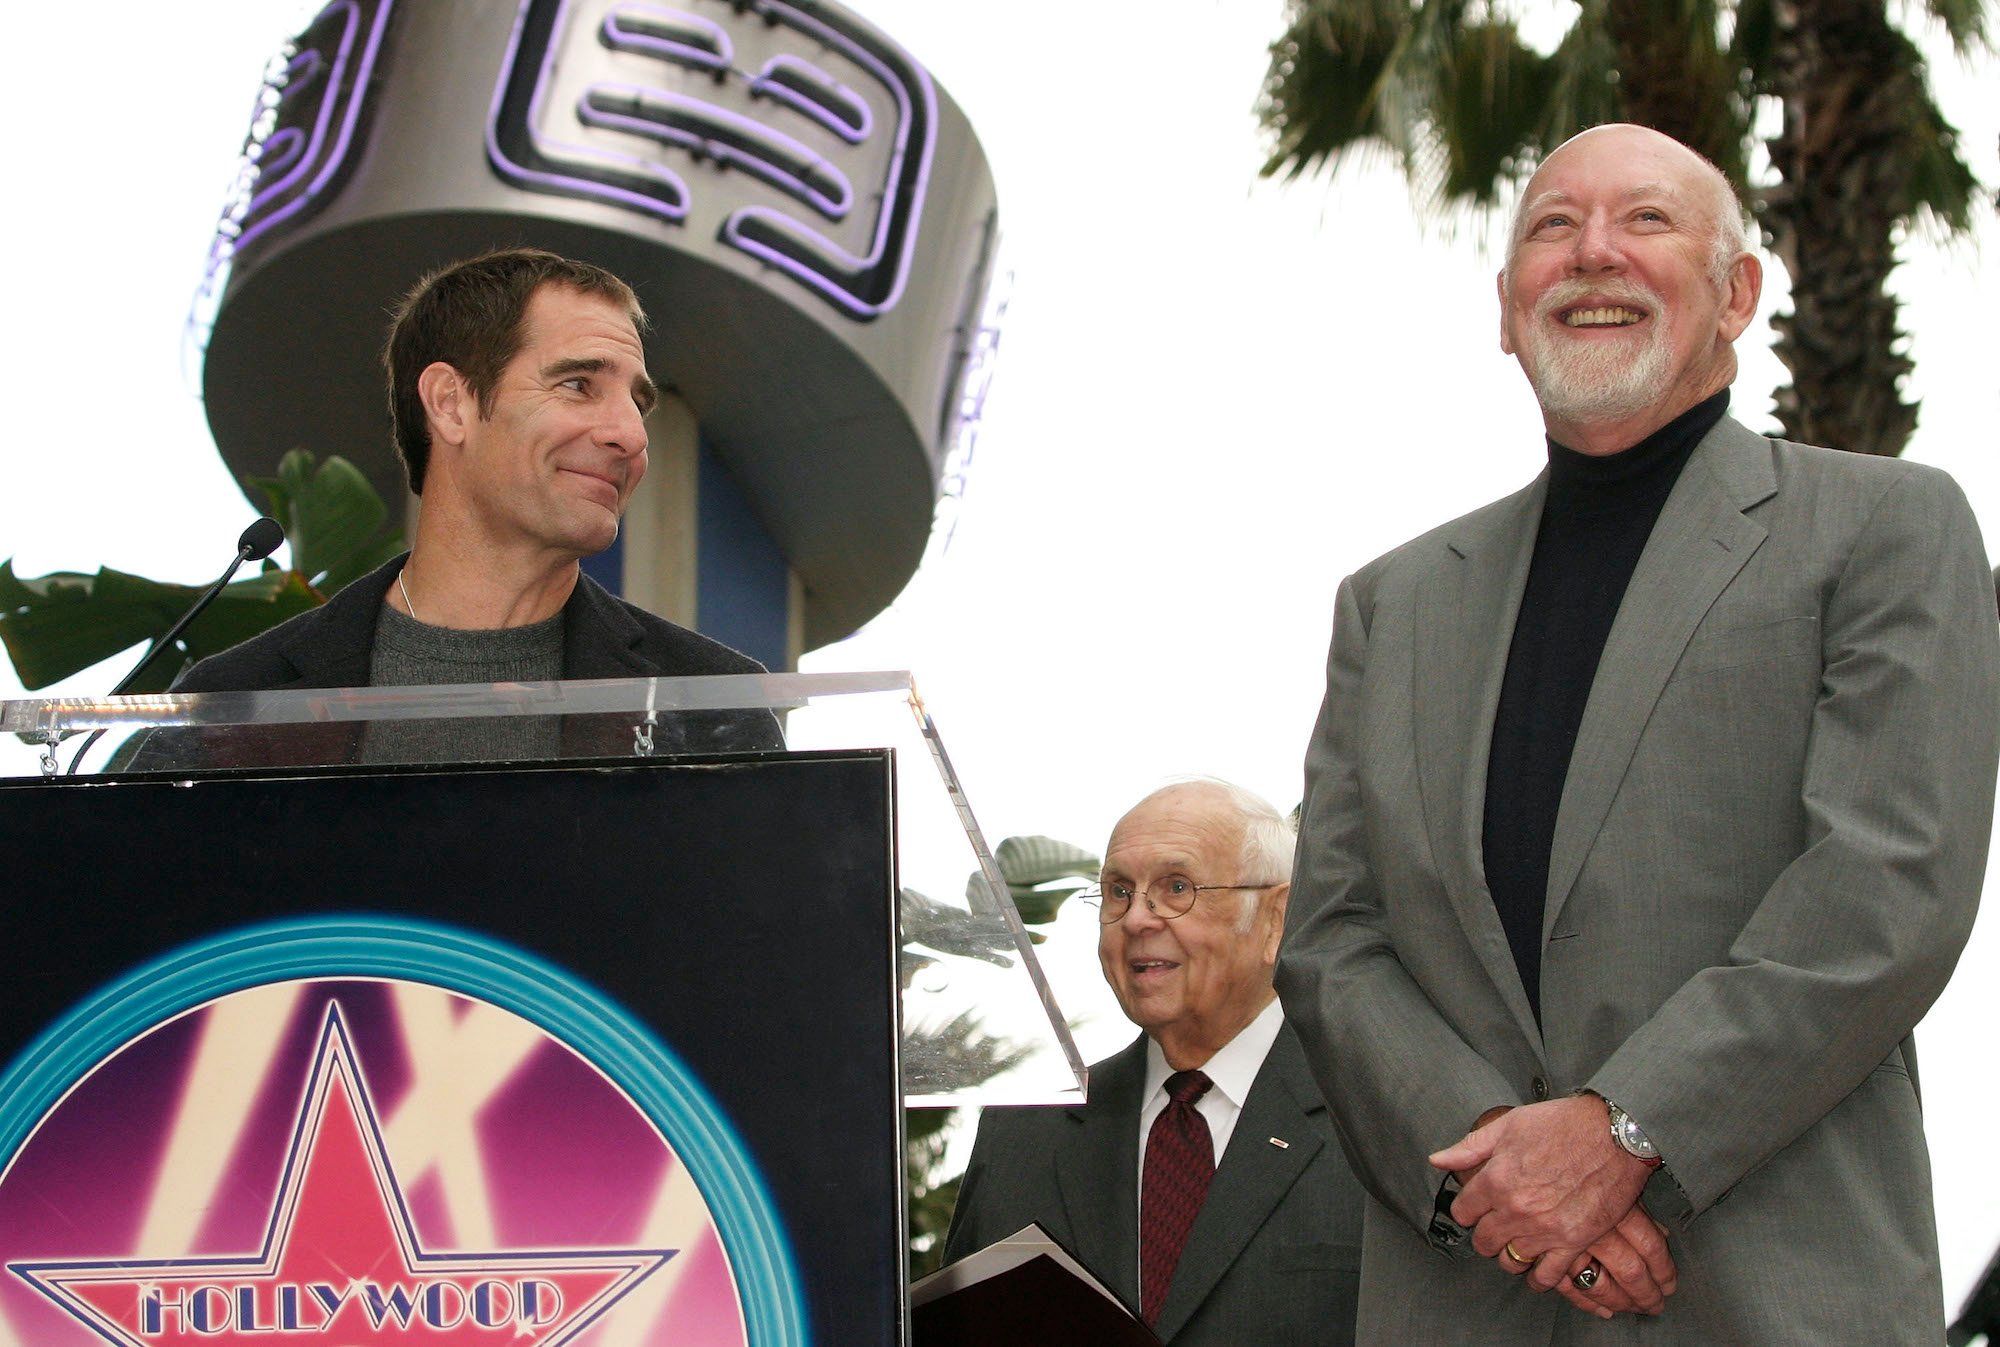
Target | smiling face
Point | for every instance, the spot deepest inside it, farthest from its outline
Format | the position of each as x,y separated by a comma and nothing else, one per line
1195,981
546,470
1624,290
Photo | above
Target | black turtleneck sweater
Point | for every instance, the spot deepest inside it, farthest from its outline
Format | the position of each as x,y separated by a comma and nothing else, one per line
1595,523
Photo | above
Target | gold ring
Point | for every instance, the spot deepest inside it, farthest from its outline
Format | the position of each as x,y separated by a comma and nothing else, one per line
1508,1249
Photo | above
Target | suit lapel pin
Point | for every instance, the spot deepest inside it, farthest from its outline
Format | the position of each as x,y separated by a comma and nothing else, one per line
1281,1143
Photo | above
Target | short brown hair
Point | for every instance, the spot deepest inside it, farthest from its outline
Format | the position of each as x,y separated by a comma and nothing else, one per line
470,315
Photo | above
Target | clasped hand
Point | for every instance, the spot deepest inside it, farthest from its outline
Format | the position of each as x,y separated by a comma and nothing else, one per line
1547,1194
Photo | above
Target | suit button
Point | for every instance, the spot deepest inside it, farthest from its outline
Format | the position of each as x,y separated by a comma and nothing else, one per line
1541,1087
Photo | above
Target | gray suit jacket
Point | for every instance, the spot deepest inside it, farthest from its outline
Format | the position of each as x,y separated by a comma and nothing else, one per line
1766,861
1272,1258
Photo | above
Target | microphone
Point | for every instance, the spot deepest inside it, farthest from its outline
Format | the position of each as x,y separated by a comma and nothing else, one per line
256,542
264,536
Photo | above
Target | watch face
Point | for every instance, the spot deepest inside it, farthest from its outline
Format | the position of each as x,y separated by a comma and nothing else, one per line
1628,1134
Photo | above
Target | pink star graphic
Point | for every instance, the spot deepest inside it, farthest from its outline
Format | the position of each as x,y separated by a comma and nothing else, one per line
340,1261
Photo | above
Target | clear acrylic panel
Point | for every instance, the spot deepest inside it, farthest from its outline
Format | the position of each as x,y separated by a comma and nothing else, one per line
980,1024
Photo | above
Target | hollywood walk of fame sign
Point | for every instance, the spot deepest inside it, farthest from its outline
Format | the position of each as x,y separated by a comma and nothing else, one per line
445,1076
340,1256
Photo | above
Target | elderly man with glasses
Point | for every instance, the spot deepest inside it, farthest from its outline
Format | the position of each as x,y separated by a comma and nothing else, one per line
1202,1180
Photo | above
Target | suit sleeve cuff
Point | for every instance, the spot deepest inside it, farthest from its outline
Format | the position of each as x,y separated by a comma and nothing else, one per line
1664,1199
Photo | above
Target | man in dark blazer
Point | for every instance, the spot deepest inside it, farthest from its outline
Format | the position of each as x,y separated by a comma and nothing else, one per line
603,636
1192,904
518,394
1645,816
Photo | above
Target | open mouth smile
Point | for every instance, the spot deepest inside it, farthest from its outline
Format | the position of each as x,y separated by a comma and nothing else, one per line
1606,315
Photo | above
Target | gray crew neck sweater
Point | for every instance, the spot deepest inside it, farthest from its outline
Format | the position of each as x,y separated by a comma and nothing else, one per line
410,653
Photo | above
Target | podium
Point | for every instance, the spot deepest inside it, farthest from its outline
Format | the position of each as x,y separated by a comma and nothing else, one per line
600,1051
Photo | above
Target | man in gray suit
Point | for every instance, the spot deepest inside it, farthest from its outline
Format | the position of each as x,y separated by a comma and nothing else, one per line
1645,816
1201,1182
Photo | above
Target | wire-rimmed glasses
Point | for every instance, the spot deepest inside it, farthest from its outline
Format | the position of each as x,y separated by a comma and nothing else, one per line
1167,897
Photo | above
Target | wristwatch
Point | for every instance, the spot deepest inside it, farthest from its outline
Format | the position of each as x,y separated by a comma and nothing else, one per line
1629,1136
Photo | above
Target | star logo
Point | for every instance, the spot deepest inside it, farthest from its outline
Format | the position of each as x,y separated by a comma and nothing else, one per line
341,1263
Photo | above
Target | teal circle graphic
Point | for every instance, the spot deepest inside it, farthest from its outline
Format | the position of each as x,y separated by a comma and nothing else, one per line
593,1025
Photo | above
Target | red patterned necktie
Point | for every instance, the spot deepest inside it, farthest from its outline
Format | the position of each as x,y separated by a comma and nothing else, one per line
1180,1160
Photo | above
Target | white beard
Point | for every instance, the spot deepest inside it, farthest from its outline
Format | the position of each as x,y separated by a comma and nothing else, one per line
1589,381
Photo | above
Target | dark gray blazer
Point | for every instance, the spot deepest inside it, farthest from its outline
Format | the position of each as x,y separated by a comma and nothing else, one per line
1766,861
1274,1256
603,637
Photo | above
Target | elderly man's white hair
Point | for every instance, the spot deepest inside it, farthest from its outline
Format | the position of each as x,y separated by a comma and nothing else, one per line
1269,840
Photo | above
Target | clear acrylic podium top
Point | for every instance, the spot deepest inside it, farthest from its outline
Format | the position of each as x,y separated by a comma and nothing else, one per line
980,1024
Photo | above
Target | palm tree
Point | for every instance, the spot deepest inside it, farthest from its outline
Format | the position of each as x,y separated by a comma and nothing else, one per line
1862,151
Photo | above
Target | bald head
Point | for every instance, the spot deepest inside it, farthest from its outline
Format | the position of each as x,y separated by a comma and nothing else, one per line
1706,186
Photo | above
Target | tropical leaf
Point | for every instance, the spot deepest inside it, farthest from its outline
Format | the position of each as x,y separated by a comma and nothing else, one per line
1940,182
333,519
1328,75
60,624
1041,872
1964,21
960,1053
949,930
1489,118
1031,860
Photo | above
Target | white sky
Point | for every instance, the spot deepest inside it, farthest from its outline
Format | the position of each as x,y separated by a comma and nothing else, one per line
1215,398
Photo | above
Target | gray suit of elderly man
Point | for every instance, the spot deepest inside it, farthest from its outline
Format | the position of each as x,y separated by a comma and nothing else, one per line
1644,1039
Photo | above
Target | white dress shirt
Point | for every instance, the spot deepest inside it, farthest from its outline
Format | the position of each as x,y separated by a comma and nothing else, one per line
1231,1071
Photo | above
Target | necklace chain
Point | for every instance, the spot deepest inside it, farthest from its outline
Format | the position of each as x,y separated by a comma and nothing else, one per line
406,597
